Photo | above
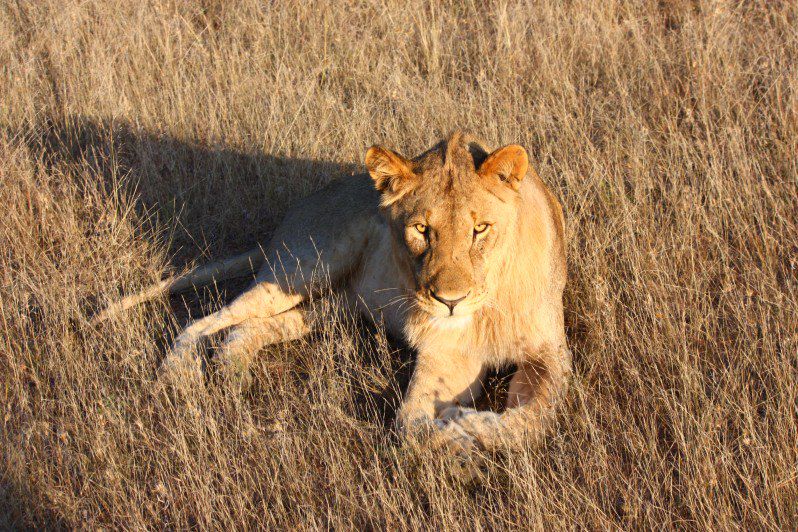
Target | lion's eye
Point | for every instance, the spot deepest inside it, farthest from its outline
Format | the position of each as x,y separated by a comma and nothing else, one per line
421,228
480,228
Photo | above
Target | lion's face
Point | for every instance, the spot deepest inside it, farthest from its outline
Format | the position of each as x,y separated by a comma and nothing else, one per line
452,211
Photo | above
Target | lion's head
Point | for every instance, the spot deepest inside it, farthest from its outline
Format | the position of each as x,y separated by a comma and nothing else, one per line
453,212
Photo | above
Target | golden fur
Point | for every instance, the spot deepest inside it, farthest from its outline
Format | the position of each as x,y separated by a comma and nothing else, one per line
459,250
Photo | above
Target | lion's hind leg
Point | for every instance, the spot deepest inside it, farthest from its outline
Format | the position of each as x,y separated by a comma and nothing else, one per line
236,354
262,301
284,282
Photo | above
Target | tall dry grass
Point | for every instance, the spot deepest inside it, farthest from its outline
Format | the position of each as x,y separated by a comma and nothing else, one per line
137,137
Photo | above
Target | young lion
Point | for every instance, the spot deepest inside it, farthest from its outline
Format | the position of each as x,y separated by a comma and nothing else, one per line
459,250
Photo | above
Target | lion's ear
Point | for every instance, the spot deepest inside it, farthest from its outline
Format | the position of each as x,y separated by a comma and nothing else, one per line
509,164
390,171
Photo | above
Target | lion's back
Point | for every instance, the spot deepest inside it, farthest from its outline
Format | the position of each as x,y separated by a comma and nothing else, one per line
339,210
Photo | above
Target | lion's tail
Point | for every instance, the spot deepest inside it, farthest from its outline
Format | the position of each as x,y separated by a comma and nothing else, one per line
216,271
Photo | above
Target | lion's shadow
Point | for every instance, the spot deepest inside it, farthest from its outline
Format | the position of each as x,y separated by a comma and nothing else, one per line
214,199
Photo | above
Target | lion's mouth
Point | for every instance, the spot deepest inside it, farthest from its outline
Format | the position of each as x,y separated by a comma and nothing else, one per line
461,312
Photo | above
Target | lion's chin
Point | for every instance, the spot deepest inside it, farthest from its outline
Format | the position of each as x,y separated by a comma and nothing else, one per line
456,321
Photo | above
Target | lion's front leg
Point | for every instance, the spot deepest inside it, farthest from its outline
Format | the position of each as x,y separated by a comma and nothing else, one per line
439,382
534,391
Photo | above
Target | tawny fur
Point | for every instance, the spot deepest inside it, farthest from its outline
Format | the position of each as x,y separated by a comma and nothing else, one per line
454,222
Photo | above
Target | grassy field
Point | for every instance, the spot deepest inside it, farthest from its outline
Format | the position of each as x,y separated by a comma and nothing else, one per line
140,138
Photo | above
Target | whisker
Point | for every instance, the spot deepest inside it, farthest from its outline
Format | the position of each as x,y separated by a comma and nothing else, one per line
389,288
396,299
402,300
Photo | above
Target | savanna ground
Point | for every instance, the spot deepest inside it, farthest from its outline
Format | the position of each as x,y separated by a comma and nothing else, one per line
139,138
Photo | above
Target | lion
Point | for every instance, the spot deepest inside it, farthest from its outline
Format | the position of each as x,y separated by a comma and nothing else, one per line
459,250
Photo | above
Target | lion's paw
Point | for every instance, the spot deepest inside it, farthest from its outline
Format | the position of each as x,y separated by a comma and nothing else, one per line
477,423
452,437
235,371
182,365
462,451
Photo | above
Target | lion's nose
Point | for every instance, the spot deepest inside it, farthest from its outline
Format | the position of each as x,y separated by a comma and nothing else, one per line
449,302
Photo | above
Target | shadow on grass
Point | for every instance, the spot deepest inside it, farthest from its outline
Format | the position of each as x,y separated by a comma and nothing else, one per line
213,198
12,519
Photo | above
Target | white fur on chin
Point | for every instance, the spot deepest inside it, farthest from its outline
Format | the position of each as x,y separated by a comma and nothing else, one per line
451,322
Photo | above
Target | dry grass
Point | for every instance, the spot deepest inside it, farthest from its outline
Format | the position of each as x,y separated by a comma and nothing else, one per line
141,136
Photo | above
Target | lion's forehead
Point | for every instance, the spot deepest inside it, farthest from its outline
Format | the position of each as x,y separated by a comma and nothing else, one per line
456,210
